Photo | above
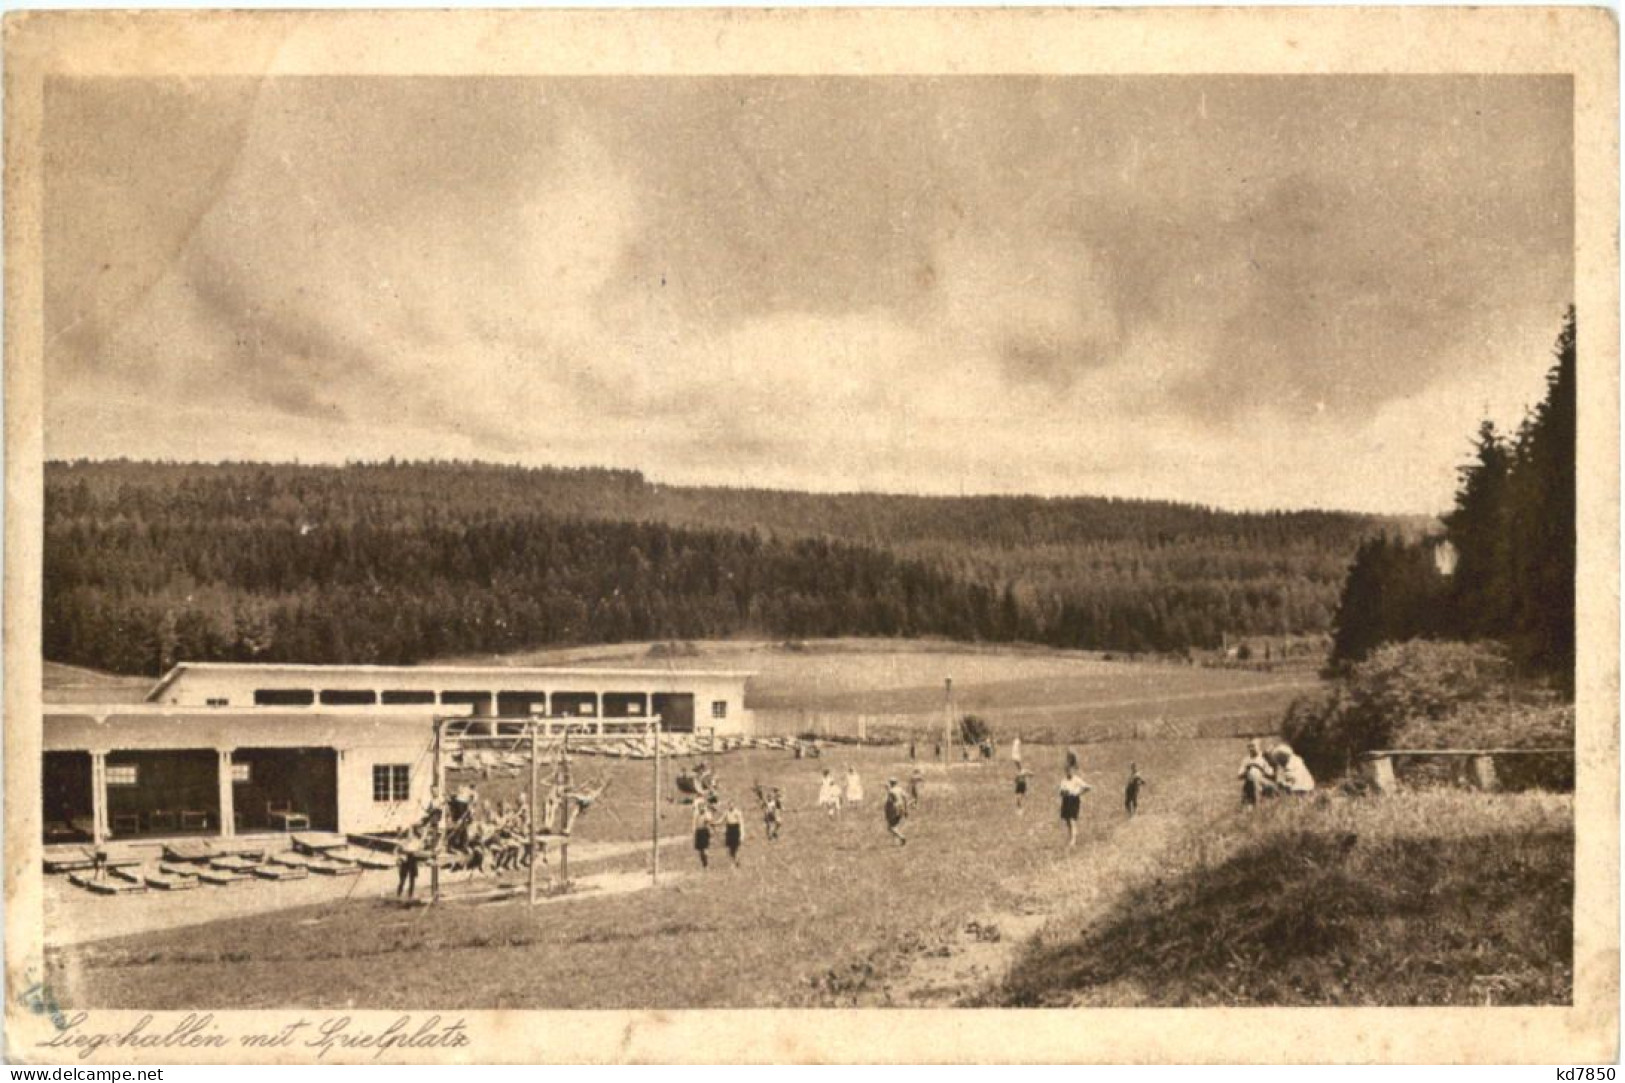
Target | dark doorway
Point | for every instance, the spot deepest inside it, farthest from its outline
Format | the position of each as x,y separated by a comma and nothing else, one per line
174,792
69,805
676,711
521,704
575,704
625,705
271,784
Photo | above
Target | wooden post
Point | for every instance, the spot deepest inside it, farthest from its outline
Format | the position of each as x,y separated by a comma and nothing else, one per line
98,797
654,807
1482,769
1379,771
228,805
439,787
530,828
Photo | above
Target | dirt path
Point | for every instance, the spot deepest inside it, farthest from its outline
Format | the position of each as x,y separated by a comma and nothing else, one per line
1078,888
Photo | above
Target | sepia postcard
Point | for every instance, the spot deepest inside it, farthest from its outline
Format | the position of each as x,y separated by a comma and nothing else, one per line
1044,535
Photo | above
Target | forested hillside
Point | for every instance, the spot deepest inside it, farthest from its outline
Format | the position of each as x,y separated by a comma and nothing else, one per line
395,562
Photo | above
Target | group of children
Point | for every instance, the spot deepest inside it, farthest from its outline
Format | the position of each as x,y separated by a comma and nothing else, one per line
479,837
496,839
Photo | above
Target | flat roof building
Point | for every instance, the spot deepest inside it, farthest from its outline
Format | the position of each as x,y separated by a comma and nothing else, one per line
222,748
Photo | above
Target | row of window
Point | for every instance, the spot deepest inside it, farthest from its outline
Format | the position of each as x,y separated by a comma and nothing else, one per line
129,774
616,704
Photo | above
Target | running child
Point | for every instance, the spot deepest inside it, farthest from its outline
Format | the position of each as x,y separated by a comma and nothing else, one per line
896,811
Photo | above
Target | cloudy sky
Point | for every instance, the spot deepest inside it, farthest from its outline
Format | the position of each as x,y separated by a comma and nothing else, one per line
1251,292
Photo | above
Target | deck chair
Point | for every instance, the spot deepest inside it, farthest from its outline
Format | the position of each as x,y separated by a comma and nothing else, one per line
281,872
163,881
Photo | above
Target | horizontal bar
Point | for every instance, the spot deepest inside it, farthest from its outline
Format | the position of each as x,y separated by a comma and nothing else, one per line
1467,752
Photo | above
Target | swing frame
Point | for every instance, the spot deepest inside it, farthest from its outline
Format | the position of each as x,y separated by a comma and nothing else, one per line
458,733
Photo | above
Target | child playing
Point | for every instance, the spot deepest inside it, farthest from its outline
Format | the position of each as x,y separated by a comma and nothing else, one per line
1072,790
854,787
733,831
1131,792
829,794
772,814
407,853
896,811
703,818
1022,775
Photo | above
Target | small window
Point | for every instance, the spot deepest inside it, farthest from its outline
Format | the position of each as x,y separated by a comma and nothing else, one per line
240,773
479,701
719,708
122,774
219,701
400,697
283,697
349,697
391,782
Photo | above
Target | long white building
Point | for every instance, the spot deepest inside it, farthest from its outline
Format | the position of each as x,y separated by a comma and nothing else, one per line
222,748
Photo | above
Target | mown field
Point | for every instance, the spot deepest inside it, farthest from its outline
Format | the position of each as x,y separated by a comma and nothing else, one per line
830,895
897,687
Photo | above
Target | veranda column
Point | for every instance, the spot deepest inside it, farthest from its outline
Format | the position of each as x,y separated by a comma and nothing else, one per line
98,796
228,804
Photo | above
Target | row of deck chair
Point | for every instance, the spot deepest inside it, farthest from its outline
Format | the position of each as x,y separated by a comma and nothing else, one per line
191,862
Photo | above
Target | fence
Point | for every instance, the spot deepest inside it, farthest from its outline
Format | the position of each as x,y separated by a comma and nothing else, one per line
1046,727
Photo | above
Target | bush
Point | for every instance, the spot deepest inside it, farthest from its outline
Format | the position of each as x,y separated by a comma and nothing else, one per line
973,729
1399,687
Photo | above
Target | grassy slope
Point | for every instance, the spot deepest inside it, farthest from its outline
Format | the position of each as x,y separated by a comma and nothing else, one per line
1426,898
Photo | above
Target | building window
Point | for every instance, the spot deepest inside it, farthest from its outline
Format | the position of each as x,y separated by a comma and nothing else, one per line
121,774
219,701
404,696
348,697
283,697
240,773
719,708
391,782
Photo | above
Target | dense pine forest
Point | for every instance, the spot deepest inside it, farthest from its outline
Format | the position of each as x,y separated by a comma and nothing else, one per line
1512,534
147,563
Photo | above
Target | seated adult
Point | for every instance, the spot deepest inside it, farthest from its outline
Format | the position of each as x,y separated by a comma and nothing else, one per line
1291,773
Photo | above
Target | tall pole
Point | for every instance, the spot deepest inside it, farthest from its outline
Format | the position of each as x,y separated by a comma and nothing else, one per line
530,826
654,807
440,827
948,719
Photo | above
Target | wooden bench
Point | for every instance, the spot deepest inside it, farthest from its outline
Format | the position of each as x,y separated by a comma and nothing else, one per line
1377,767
